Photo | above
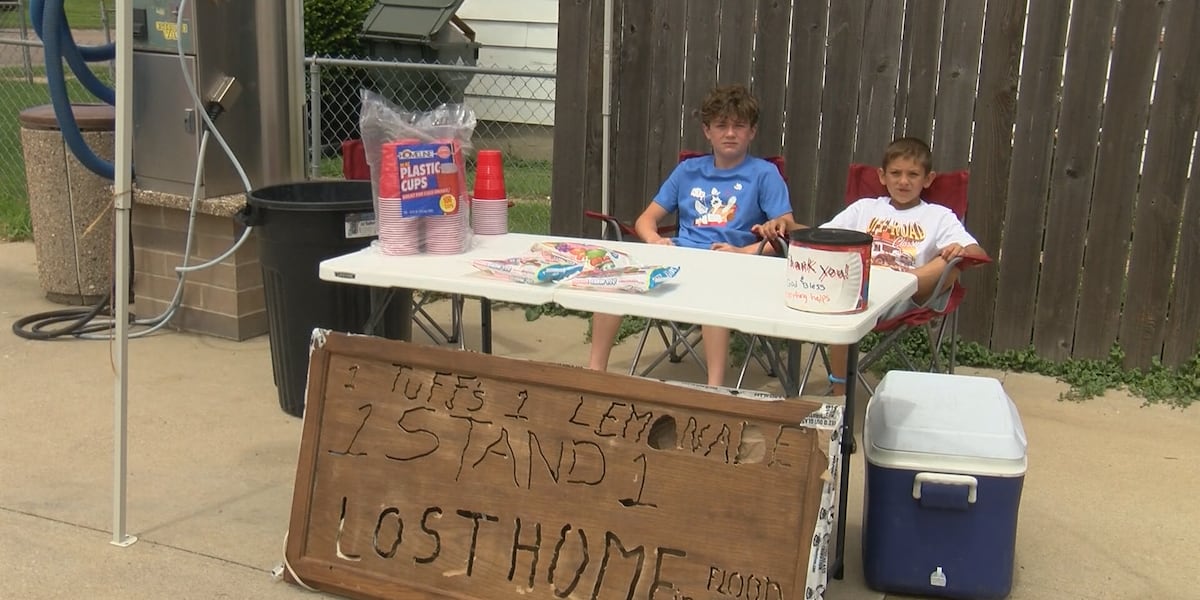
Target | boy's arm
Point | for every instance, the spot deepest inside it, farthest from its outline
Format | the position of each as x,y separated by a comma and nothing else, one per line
646,225
930,273
777,227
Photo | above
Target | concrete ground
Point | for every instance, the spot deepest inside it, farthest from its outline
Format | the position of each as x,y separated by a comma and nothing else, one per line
1109,507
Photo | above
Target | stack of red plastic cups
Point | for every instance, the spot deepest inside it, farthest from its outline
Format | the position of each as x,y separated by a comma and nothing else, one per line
398,235
490,203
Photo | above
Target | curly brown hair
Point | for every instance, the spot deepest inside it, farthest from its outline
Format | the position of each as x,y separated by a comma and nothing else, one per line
729,102
911,148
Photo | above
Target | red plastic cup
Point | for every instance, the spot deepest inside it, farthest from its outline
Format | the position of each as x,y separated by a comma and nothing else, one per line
489,176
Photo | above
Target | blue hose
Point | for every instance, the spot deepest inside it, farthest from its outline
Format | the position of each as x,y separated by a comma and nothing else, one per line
51,17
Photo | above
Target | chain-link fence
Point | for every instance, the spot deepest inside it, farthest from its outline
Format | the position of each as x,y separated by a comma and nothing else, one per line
514,109
23,85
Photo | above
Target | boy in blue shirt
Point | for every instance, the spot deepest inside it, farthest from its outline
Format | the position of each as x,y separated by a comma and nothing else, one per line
719,197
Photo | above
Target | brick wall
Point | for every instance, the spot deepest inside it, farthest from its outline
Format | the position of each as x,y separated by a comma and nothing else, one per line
225,300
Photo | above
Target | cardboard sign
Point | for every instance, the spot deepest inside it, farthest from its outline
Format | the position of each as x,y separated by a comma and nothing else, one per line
431,473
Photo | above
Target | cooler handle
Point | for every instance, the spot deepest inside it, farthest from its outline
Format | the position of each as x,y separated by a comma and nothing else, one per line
946,479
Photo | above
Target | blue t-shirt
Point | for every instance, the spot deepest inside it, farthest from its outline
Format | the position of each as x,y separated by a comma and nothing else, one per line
721,205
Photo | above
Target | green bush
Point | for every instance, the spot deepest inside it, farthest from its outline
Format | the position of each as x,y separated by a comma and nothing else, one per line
331,27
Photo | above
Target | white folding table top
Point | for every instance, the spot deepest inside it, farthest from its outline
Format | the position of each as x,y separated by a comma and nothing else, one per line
740,291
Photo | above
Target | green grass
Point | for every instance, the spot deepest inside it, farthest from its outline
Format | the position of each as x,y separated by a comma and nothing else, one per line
85,14
17,95
523,179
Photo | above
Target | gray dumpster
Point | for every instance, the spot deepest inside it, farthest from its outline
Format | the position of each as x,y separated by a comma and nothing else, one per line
420,31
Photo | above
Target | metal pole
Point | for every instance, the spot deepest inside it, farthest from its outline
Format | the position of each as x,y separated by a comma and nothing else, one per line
606,108
314,120
25,35
122,204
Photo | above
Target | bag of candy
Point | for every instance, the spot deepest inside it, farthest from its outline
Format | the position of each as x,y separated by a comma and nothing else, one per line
533,268
636,279
590,256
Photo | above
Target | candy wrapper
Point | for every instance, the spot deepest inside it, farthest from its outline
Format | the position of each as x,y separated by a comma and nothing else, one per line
534,268
590,256
626,279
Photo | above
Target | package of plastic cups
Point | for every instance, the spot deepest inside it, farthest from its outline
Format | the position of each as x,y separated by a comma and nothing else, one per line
422,205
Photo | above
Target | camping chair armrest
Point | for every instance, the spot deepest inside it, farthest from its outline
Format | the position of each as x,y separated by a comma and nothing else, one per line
615,227
618,229
777,244
961,262
967,261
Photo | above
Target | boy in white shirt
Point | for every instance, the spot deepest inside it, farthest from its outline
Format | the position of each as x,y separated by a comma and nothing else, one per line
910,234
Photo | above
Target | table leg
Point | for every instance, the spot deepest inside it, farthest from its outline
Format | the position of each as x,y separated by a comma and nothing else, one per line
380,300
794,349
847,448
485,325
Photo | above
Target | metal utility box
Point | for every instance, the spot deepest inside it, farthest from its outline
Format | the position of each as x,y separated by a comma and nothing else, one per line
424,31
252,44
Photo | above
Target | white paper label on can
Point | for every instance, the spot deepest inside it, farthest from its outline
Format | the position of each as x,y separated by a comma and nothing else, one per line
360,225
823,281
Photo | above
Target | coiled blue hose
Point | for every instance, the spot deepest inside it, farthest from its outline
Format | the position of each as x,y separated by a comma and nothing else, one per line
50,22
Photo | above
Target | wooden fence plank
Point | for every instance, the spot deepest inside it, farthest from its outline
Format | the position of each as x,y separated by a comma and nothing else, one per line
575,184
700,70
634,53
1160,197
806,71
666,94
994,112
1121,143
962,35
770,75
1183,320
1072,176
1029,175
878,76
919,68
839,104
737,42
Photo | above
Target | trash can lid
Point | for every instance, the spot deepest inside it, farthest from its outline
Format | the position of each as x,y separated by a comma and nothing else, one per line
89,117
418,20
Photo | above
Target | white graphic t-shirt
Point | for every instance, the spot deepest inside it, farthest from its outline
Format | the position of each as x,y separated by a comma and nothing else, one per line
904,239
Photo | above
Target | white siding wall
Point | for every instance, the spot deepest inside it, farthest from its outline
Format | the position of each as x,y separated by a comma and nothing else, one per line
516,34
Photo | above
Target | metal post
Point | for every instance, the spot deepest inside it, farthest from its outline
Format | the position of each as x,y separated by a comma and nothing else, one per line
847,446
314,120
25,62
122,204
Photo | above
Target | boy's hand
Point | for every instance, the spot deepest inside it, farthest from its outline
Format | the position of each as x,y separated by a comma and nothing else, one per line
772,229
952,252
724,247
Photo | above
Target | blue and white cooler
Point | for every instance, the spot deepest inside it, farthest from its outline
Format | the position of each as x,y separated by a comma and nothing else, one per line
945,466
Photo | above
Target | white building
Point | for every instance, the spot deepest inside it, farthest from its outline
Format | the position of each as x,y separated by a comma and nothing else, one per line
515,34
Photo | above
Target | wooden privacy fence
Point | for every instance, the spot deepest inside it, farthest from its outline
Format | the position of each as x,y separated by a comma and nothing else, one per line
1077,121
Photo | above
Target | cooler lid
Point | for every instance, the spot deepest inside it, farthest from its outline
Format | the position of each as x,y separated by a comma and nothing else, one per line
950,415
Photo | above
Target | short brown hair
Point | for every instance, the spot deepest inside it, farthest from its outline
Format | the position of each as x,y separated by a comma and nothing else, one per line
729,101
911,148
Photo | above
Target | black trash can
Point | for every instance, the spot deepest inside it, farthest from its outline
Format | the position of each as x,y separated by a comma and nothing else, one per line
299,225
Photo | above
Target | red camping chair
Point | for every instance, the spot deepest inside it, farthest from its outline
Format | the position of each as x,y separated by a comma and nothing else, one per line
949,190
683,338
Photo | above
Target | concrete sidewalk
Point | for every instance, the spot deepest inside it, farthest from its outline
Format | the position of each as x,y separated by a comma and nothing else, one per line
1109,507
